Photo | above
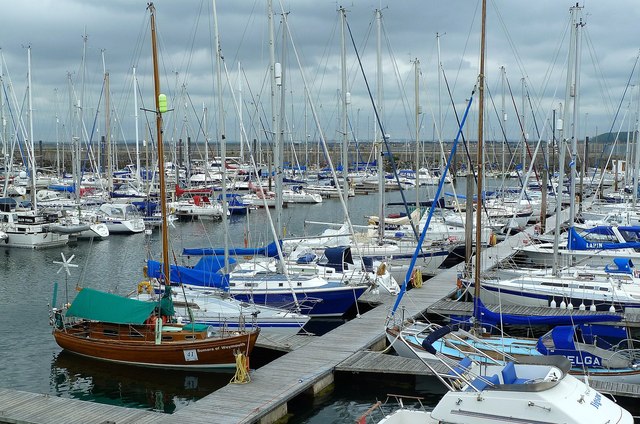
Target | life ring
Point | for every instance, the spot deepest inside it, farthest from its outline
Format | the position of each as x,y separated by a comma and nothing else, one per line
145,286
153,318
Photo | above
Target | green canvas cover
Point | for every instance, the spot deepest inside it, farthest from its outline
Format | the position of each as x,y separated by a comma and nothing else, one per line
106,307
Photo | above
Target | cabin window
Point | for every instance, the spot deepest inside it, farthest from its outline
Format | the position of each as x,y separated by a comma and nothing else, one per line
167,338
110,332
280,284
299,284
554,284
190,337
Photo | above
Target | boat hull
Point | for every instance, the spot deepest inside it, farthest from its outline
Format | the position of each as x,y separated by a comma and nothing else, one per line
206,353
330,302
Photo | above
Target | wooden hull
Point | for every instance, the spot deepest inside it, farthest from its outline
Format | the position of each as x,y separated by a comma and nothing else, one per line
191,352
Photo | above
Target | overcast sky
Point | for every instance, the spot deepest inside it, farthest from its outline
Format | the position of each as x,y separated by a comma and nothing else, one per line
530,39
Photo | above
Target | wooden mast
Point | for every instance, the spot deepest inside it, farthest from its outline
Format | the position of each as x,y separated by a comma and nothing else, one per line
161,179
480,157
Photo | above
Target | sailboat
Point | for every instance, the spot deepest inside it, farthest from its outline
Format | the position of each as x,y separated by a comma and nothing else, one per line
581,344
129,331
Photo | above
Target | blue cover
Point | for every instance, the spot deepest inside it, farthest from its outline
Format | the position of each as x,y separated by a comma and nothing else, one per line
427,343
563,345
490,317
577,242
338,256
68,188
270,250
195,276
622,266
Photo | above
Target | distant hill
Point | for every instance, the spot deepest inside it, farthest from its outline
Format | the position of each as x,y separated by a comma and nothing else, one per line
610,137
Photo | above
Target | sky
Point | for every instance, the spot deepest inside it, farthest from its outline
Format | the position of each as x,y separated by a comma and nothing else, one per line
73,42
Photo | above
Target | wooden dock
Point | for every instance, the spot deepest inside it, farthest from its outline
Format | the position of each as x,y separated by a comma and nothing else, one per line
380,363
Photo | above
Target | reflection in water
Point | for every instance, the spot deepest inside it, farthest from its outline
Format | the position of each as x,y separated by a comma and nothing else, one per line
77,377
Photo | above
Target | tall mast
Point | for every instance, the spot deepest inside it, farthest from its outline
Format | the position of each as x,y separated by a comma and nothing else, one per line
223,142
503,77
31,141
636,151
480,156
524,126
108,133
160,109
439,93
135,114
240,117
345,101
279,146
576,115
3,125
416,85
380,137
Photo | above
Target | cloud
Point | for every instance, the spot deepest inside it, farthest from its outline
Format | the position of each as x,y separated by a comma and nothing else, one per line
530,40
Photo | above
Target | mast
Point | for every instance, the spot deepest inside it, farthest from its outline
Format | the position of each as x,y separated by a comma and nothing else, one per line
416,84
636,151
576,108
570,92
480,157
524,130
240,117
439,92
135,114
345,102
161,107
503,77
223,142
108,134
279,146
380,137
31,142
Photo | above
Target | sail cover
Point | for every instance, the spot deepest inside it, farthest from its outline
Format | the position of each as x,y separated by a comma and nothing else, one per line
491,317
577,242
204,274
106,307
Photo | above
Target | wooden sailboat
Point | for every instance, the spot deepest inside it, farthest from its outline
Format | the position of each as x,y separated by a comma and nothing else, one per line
117,329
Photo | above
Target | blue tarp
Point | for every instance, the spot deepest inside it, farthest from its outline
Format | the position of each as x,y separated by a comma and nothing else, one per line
270,250
204,274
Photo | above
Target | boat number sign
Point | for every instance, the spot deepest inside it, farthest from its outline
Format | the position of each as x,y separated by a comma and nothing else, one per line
190,355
